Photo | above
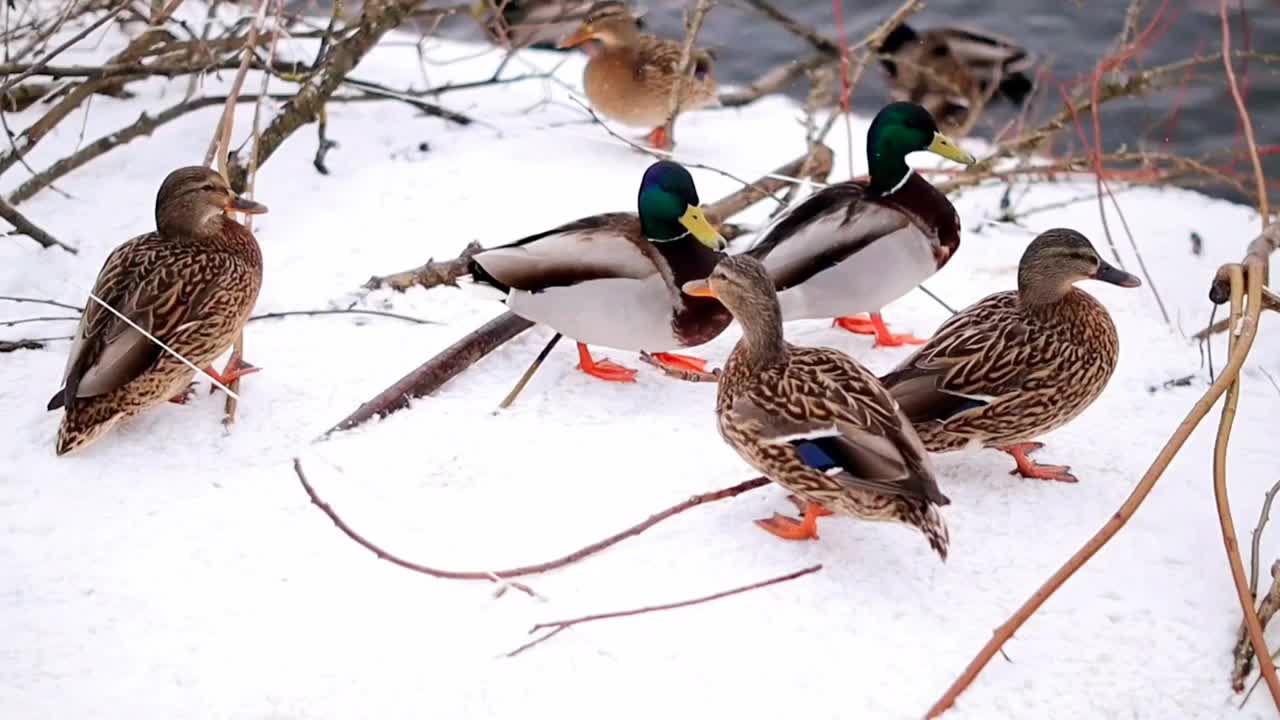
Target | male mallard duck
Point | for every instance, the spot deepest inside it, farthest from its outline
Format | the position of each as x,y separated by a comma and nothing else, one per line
1017,364
614,279
630,75
858,245
191,285
955,71
815,421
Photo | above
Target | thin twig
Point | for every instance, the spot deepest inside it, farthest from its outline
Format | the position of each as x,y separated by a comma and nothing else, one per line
40,64
40,301
686,65
557,625
1245,121
344,311
524,570
24,226
528,374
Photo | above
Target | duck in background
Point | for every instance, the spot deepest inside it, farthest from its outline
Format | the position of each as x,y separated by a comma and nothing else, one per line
815,421
531,23
955,72
614,279
858,245
1020,363
191,285
630,75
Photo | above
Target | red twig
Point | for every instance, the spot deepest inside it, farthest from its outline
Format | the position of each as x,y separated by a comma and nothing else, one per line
556,626
1245,122
503,575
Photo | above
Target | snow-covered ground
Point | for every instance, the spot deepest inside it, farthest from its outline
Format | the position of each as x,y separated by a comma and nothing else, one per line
173,570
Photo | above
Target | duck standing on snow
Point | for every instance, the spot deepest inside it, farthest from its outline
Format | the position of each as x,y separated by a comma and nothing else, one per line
1017,364
191,285
955,71
630,75
815,421
858,245
614,279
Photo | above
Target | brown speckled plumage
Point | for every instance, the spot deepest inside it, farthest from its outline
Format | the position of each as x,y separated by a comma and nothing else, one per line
815,421
1016,364
954,72
629,78
192,284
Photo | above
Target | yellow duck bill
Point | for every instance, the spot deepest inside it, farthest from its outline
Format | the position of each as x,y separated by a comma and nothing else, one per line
947,148
695,221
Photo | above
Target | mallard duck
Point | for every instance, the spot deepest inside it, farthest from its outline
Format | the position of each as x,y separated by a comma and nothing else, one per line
1017,364
630,75
191,284
954,72
815,421
530,23
614,279
858,245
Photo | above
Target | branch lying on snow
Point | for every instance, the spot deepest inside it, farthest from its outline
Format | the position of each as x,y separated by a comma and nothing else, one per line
556,626
1243,655
7,346
24,226
343,311
500,576
428,377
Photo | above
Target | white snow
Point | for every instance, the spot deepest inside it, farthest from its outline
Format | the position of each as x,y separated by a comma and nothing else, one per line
173,570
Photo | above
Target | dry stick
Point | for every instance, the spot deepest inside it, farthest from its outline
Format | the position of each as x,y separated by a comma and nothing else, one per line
686,64
343,311
558,625
524,570
1002,634
1251,620
1258,176
41,301
774,80
1244,649
1266,610
24,226
221,141
820,42
376,20
40,64
528,374
428,377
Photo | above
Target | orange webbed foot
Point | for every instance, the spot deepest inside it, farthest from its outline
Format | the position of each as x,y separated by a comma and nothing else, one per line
603,369
792,529
183,397
236,368
686,363
876,326
1028,468
658,138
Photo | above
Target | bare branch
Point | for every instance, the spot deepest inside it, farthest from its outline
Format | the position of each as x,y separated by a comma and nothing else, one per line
24,226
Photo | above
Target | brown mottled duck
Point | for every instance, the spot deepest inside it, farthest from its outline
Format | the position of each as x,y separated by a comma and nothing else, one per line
190,284
630,75
1017,364
815,421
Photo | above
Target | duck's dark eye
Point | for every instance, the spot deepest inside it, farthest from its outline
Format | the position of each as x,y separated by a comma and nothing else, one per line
939,51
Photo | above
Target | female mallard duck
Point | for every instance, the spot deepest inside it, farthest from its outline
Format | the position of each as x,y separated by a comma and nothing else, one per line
530,23
1017,364
630,76
191,285
858,245
614,279
955,71
815,421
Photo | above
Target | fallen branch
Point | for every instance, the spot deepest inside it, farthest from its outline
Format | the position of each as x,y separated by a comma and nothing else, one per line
428,377
1244,649
7,346
24,226
558,625
428,275
524,570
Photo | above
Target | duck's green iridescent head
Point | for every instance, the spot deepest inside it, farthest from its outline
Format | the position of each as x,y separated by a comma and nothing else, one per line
899,129
669,209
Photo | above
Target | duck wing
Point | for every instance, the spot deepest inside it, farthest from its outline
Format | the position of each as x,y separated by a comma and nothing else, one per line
841,422
825,229
975,358
140,282
593,248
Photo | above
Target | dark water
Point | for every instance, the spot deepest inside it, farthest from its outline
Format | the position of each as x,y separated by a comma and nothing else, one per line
1070,34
